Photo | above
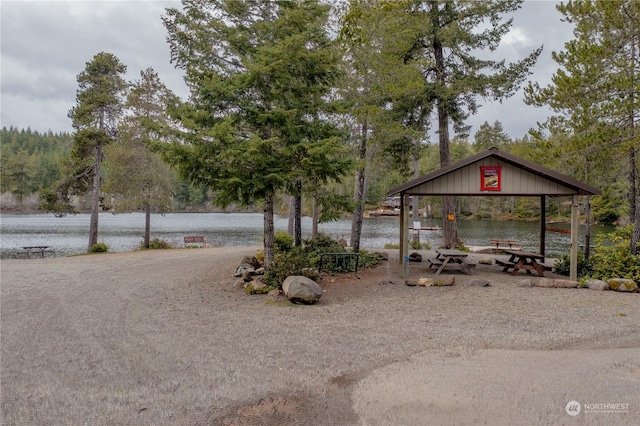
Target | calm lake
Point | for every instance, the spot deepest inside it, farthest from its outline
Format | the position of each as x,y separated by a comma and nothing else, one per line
123,232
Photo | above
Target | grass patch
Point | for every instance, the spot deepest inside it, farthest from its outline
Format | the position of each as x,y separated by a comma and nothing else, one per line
285,302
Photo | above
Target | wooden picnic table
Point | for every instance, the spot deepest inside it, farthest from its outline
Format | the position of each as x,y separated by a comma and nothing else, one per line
522,260
451,257
35,249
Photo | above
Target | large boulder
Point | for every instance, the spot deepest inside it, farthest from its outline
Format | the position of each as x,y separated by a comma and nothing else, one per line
300,289
597,285
244,269
621,284
251,260
415,257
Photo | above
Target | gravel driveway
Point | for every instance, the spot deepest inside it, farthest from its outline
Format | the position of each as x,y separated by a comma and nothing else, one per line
162,337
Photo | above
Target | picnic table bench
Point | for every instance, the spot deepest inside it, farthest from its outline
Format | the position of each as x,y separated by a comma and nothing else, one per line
498,242
194,239
445,258
36,249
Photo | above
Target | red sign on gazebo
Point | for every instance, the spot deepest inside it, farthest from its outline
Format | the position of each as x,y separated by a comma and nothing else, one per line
490,178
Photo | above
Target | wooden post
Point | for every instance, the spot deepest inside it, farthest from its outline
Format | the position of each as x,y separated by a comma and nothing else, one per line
405,238
573,270
402,229
543,220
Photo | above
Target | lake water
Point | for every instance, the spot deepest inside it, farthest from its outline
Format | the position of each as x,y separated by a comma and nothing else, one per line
69,235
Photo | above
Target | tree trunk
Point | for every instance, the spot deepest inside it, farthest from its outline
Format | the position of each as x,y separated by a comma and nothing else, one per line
359,193
315,217
269,233
292,215
95,199
450,226
297,238
147,224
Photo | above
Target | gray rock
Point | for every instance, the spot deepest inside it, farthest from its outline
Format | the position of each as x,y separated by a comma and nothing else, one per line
444,280
485,261
477,282
622,284
242,268
525,283
565,283
251,260
299,289
545,283
415,257
411,283
597,285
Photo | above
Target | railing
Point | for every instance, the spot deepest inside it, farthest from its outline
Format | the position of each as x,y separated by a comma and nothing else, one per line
343,259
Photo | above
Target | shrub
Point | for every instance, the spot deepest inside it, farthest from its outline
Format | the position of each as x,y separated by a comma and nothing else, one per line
282,242
305,260
99,248
612,257
563,267
157,243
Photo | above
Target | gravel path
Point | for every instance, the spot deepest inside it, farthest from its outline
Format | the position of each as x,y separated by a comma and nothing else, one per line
162,337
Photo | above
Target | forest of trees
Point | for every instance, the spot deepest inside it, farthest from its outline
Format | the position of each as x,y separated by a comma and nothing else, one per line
319,109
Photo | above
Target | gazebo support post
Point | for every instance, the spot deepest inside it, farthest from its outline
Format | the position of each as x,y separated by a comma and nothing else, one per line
402,230
573,270
543,221
405,237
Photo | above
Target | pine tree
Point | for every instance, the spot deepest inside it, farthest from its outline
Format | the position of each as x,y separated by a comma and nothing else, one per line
95,118
258,73
452,32
137,178
594,95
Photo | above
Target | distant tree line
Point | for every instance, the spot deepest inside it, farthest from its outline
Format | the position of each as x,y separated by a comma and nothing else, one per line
32,161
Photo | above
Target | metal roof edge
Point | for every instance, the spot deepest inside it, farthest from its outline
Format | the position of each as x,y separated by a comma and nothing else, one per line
581,187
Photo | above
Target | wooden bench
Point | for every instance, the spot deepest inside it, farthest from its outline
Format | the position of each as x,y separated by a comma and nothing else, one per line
497,243
194,239
505,263
434,263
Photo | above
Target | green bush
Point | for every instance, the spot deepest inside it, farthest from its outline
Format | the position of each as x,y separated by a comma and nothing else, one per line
563,266
282,242
305,260
612,258
156,244
99,248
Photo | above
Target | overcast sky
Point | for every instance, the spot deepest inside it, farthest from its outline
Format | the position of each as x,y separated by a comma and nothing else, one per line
46,44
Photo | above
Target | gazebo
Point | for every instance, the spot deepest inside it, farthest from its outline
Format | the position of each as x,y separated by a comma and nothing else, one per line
495,173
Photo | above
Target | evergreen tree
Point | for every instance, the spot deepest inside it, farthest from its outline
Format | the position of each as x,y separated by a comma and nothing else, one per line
595,96
451,33
258,74
136,177
381,92
489,136
95,118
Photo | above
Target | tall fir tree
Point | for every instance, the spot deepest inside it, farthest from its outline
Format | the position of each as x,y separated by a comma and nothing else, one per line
258,73
137,178
95,118
594,95
452,33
